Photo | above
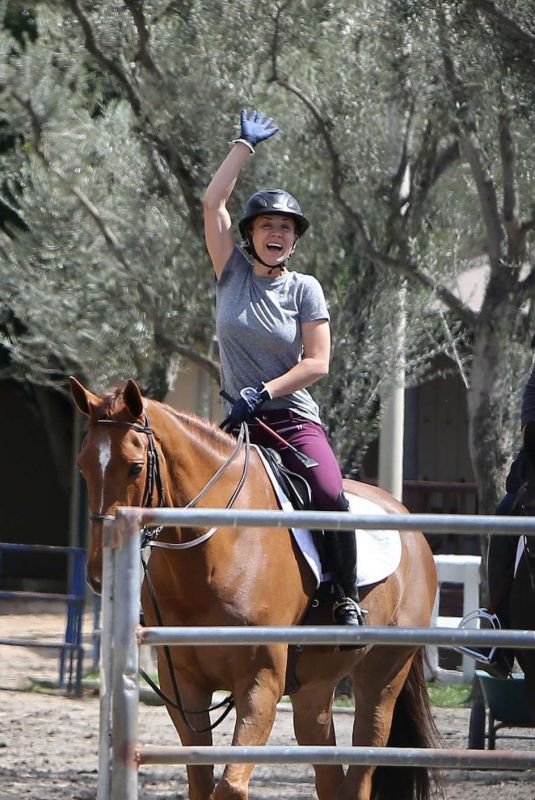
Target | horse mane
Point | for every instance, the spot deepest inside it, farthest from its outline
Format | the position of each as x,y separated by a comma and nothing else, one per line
111,404
210,434
108,405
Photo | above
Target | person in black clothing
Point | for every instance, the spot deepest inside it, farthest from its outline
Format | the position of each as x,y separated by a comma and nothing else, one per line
501,554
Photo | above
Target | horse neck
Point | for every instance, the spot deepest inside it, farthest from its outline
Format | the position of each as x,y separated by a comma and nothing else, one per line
192,456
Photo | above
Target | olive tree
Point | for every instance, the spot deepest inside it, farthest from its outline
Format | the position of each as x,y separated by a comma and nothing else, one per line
120,114
447,187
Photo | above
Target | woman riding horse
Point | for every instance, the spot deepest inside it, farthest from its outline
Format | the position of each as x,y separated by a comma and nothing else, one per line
274,340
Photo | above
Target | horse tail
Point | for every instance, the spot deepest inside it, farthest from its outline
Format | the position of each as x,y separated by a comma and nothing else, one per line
412,726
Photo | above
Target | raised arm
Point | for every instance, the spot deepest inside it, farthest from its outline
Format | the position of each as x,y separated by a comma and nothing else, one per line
217,222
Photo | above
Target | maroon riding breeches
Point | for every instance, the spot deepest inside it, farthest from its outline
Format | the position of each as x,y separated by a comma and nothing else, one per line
326,479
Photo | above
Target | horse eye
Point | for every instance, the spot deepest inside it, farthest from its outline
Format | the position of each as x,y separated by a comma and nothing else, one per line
136,469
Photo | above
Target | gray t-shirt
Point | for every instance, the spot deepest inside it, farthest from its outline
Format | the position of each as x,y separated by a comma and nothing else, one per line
258,322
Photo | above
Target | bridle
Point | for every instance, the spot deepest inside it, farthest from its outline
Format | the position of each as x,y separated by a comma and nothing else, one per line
154,479
154,476
148,538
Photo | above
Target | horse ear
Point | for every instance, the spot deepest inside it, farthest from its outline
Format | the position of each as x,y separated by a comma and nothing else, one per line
83,398
133,399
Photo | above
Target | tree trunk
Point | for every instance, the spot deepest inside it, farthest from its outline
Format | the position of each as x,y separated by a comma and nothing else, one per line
491,419
160,376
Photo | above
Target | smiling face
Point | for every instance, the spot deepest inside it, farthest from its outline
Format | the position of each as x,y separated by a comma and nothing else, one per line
274,237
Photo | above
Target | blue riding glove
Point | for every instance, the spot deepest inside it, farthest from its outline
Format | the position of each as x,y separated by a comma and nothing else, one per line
247,405
254,128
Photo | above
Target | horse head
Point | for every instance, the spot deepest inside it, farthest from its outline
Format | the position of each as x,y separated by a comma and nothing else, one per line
113,459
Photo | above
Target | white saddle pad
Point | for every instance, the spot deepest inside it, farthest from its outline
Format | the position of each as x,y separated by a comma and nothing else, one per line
378,552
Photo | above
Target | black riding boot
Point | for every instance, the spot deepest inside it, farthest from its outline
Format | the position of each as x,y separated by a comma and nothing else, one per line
341,552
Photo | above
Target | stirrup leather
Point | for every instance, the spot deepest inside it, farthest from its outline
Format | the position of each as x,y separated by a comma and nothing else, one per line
493,622
348,604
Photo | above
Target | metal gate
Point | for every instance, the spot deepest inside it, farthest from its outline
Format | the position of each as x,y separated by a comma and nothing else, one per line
120,754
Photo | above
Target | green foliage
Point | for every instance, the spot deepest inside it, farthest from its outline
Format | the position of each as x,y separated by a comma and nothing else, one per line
115,123
449,695
19,19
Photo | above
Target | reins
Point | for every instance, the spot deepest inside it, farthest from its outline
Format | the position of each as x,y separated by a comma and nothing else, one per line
227,701
148,536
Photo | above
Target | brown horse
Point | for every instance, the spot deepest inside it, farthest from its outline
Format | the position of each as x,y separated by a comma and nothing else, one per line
256,576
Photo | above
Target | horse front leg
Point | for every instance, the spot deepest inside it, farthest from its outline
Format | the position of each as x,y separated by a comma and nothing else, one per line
256,700
193,697
314,726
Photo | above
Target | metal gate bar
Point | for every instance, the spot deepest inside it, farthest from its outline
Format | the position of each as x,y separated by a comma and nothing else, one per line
330,520
71,649
453,758
121,588
331,634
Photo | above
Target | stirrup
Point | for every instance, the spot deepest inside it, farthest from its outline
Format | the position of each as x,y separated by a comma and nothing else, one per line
348,604
494,622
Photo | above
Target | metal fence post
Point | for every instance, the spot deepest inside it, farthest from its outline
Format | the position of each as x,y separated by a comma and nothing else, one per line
74,628
125,695
106,674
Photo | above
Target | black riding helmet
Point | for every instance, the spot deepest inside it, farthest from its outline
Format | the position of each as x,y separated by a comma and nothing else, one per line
272,201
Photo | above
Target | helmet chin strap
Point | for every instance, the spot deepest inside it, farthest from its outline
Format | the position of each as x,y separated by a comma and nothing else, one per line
270,267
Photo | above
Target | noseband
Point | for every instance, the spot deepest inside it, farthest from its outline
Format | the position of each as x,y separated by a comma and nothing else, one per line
154,477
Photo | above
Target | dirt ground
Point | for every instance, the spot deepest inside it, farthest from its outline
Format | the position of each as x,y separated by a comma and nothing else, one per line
49,741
